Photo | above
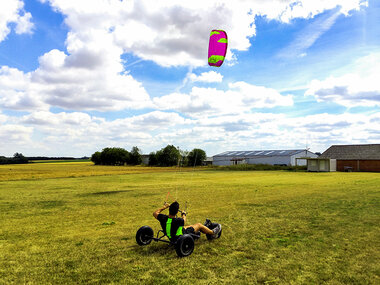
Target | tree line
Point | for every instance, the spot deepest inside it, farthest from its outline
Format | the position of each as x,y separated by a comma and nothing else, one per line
16,159
167,156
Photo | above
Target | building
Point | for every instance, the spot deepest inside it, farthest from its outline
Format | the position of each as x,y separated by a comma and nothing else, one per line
364,157
145,159
321,164
207,161
273,157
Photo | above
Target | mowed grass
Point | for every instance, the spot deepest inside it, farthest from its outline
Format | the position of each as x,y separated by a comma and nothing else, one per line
278,227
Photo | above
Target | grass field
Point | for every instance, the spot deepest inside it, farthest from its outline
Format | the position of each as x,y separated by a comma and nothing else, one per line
70,223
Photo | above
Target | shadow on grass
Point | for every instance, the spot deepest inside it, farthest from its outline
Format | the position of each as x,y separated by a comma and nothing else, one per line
107,192
132,193
50,204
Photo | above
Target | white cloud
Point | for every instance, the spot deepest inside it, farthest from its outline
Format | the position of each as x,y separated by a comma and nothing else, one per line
12,11
78,134
361,87
179,36
14,136
88,81
17,92
208,77
91,76
309,35
240,97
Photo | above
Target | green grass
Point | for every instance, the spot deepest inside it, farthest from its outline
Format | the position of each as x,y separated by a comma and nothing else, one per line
279,227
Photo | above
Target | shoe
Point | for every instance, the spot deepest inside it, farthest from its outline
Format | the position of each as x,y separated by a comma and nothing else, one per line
216,230
207,223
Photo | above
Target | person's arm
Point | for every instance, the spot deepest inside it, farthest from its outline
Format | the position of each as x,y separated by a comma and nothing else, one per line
155,213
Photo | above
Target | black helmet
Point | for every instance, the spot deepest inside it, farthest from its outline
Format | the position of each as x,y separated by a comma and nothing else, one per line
173,208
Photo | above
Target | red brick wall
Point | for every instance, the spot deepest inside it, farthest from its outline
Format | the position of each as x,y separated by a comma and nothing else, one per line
359,165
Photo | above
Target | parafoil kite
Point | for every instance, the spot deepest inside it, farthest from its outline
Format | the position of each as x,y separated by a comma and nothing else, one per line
217,48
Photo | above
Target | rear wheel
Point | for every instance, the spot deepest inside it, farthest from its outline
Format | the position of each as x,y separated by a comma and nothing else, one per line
144,235
184,245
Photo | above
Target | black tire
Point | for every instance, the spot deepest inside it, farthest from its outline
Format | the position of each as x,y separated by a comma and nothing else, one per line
184,245
144,235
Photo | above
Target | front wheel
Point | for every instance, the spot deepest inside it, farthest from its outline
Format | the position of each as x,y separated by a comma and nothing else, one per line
184,245
144,235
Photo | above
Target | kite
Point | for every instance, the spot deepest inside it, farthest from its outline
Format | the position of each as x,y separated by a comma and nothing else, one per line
217,47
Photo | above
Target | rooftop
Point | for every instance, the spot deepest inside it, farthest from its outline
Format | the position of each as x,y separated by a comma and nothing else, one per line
260,153
359,151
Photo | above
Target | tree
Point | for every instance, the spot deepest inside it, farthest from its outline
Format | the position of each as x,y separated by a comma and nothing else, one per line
19,158
184,157
135,156
153,161
96,158
114,156
168,156
196,157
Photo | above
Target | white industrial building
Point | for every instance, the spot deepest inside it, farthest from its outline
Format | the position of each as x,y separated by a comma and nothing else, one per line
273,157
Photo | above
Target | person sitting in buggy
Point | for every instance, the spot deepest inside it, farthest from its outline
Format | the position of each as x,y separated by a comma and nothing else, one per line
174,227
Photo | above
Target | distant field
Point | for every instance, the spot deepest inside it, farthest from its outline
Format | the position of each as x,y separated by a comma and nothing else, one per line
60,169
279,227
58,161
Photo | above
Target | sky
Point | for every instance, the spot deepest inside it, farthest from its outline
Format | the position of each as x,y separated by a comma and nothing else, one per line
77,76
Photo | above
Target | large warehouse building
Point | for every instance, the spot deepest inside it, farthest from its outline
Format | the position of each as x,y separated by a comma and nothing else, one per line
273,157
364,157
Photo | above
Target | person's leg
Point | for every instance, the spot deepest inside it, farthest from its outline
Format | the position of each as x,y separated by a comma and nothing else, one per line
199,227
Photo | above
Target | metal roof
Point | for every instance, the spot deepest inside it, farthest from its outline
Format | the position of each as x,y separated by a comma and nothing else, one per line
257,153
363,151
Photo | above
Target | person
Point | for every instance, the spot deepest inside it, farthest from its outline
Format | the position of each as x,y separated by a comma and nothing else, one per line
174,227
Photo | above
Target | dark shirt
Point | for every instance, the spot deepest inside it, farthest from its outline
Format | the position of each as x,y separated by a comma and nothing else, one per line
176,223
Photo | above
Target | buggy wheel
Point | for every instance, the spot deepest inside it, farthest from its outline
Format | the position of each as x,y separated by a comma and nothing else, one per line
184,245
144,235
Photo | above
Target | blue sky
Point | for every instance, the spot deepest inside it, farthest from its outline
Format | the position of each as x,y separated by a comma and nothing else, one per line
78,76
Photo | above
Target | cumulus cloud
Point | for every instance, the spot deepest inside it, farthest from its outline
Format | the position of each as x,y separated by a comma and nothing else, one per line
208,77
14,135
239,98
81,134
12,12
361,87
180,34
75,82
91,75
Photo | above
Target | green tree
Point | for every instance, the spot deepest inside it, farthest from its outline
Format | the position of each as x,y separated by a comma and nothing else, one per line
19,158
184,157
96,158
114,156
135,156
153,161
168,156
196,157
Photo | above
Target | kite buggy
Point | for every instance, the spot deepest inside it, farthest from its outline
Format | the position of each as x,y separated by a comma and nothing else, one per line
175,233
